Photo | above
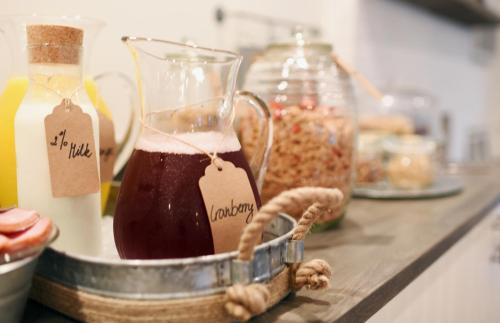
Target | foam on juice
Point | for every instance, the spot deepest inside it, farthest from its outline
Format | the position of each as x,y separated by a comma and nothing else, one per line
209,141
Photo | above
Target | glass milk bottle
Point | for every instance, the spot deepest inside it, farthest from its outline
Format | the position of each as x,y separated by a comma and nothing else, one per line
113,155
55,76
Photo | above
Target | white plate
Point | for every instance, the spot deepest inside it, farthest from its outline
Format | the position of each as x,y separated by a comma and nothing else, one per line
443,186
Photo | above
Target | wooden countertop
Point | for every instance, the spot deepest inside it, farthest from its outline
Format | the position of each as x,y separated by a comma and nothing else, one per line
381,247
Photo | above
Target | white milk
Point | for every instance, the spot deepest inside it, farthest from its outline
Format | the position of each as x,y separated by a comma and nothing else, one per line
78,218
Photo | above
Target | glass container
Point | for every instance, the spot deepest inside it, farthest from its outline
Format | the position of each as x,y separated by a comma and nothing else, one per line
313,111
369,159
403,111
418,106
55,74
411,162
186,95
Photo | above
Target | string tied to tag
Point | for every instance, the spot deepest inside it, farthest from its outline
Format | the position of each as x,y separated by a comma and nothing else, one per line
186,113
215,160
67,104
67,100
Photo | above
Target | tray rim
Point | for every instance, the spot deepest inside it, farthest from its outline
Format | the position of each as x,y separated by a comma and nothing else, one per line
268,262
175,261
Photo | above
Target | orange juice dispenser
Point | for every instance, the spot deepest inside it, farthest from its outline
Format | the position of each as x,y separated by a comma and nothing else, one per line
10,99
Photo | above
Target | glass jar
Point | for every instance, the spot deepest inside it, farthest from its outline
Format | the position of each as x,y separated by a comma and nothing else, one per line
369,159
312,105
417,106
411,161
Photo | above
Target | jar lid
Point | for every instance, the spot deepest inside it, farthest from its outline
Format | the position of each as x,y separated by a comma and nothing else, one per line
300,70
54,44
299,40
410,144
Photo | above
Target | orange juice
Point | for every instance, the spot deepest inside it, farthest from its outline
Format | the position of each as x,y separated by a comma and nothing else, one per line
9,103
100,105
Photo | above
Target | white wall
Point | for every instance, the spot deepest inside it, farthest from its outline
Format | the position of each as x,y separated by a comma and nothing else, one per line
171,19
390,41
396,44
493,111
167,19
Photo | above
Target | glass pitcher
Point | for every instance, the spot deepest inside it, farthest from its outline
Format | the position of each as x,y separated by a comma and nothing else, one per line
187,95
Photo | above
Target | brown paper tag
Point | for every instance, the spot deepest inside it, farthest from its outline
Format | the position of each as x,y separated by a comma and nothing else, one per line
71,151
107,147
229,202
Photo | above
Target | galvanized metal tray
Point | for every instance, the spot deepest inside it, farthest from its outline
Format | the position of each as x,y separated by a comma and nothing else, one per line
443,186
169,278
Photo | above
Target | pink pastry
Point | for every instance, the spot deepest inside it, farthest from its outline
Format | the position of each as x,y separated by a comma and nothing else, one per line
32,237
16,220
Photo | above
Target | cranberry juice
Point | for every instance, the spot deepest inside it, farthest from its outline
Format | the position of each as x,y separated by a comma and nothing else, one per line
160,211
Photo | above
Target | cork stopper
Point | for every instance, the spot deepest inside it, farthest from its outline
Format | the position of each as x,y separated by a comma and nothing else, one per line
54,44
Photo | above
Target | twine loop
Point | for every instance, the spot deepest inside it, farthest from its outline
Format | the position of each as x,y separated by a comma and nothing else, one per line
314,274
243,302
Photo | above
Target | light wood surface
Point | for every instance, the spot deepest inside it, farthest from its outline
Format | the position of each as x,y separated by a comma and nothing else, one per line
381,247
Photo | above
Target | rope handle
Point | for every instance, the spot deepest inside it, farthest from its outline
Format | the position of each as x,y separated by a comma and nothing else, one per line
243,302
314,199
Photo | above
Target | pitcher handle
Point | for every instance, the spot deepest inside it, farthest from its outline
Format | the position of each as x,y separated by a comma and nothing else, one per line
258,162
126,146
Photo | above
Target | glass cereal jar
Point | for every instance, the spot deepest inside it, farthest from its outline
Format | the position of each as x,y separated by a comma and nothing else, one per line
312,105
